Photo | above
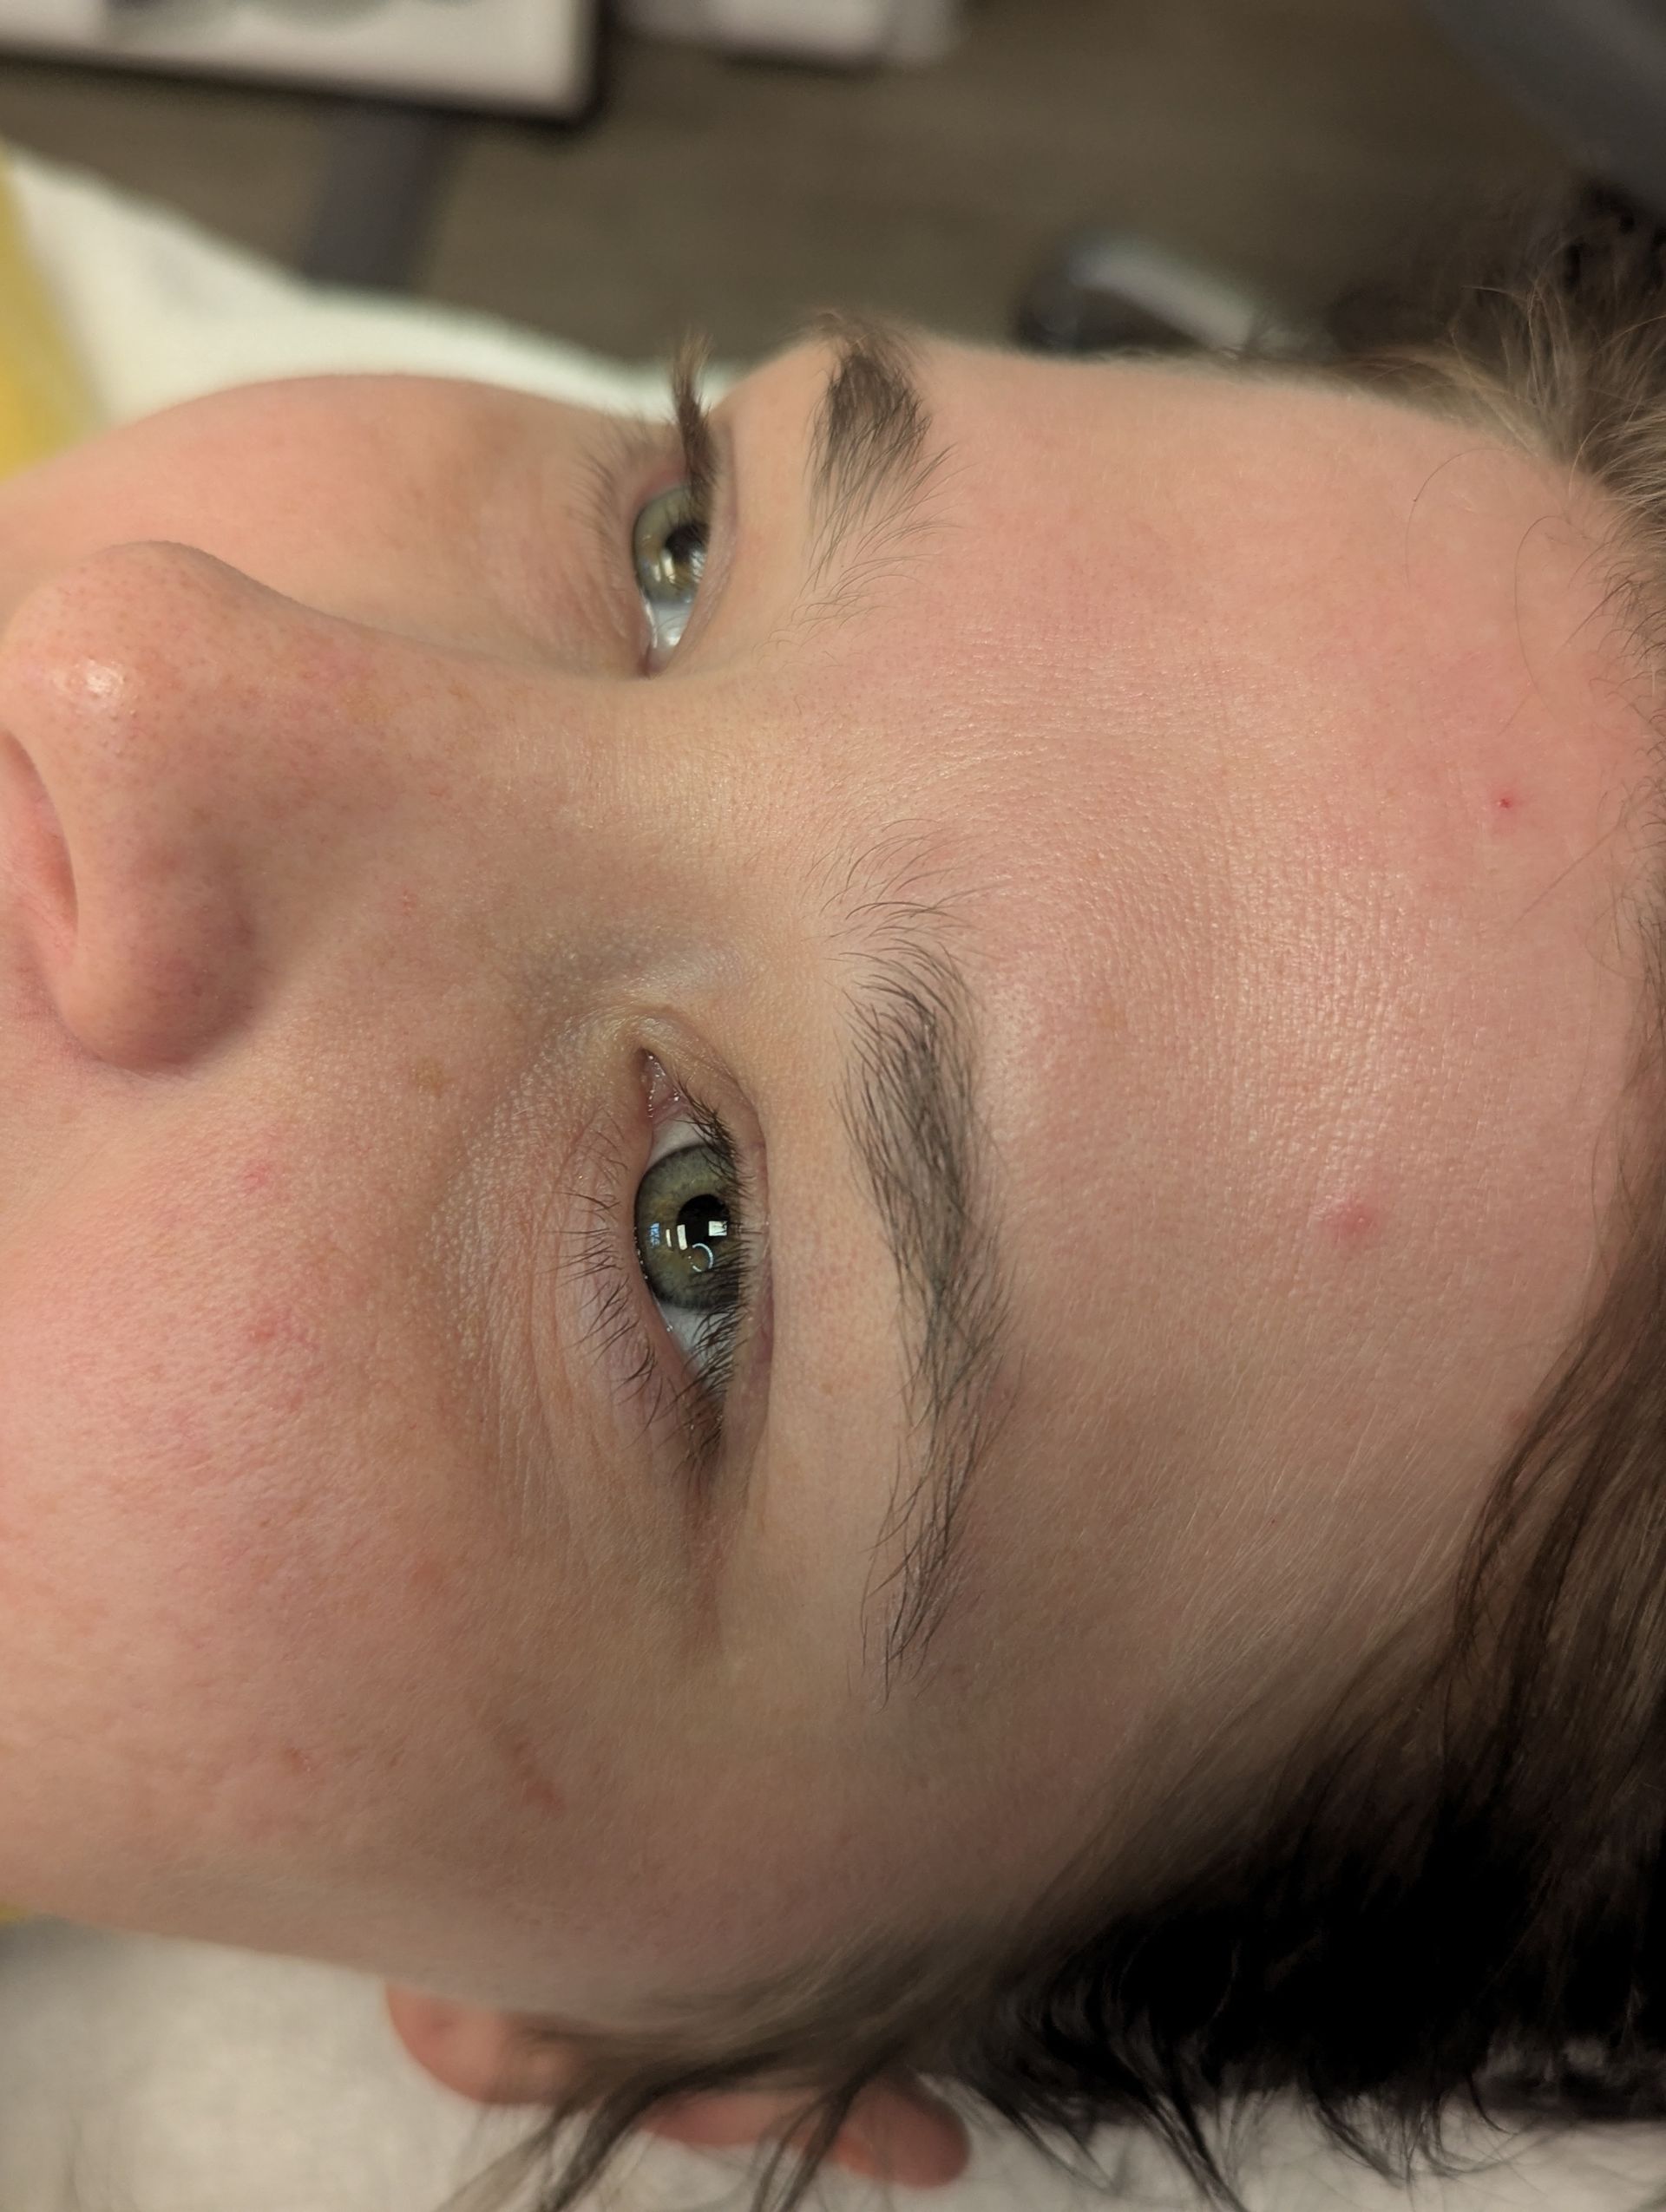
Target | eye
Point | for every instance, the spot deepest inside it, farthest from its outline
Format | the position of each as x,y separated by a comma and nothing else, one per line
668,543
691,1243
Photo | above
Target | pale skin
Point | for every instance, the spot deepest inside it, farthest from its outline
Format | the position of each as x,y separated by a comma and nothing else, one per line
1272,754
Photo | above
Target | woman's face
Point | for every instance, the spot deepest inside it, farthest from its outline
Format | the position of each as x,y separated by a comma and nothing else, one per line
1095,937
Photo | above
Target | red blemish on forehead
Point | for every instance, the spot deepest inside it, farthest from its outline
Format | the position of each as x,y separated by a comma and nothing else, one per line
1506,802
1351,1223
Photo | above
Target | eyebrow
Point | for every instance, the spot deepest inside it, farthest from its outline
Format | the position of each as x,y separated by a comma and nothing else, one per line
909,1099
870,462
910,1110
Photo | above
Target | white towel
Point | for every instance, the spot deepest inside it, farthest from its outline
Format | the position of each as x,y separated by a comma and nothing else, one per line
162,310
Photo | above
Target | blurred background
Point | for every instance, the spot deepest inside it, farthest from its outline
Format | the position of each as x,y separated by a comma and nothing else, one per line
1287,143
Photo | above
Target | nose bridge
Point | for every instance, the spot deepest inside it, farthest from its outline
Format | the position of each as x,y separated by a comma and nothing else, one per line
186,754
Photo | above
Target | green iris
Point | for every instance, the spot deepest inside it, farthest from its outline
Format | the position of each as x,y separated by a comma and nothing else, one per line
686,1230
668,544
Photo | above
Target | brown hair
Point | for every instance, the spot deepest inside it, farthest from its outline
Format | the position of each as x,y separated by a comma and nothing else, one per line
1450,1900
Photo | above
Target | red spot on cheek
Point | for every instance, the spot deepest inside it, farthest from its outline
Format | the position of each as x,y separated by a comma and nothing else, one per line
1505,802
1351,1223
257,1175
278,1324
427,1575
534,1786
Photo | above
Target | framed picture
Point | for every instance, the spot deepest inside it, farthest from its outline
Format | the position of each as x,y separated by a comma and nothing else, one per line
533,56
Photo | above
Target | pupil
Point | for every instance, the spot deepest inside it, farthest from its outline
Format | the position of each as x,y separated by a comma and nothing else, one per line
701,1221
685,545
700,1226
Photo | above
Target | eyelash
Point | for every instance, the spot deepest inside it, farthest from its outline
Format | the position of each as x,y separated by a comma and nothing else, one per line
695,1404
628,450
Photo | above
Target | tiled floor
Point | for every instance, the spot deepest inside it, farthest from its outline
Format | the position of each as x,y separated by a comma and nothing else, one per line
1283,140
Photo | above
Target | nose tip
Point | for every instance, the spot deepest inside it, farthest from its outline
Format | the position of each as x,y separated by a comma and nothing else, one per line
128,685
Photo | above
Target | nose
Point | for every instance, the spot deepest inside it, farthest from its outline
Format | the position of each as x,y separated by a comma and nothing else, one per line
182,757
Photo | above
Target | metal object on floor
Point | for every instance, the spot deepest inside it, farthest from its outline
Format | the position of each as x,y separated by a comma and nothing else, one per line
385,165
1107,292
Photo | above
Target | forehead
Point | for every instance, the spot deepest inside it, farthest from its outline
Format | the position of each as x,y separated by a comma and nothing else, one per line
1273,505
1131,581
1215,683
1092,528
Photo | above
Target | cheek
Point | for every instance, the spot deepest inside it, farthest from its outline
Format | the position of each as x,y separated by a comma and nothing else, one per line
205,1595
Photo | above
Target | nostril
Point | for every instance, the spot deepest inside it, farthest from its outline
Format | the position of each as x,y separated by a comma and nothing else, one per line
36,852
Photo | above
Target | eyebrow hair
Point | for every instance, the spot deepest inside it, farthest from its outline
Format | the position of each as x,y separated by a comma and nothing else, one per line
869,464
909,1106
909,1099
